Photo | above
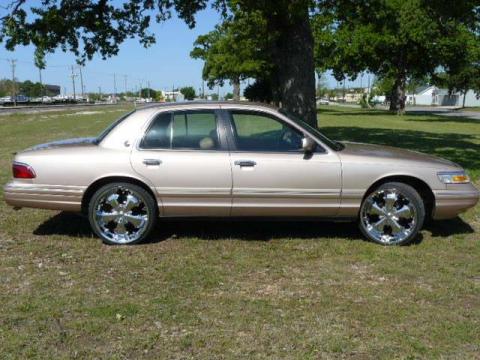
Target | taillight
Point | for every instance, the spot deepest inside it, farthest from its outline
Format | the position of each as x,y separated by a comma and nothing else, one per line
22,171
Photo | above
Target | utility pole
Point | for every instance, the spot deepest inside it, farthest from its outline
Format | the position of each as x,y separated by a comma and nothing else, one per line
125,83
115,87
173,92
100,93
148,89
73,75
81,82
368,78
13,63
42,89
203,89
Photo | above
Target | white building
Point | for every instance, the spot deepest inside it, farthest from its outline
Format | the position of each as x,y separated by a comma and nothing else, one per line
173,96
434,96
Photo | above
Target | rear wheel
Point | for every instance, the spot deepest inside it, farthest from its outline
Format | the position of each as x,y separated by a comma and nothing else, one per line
122,213
392,214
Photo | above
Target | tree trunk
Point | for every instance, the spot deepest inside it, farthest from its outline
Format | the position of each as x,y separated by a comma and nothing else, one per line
295,68
464,97
236,89
397,95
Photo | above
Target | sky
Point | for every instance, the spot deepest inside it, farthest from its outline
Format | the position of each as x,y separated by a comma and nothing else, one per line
164,65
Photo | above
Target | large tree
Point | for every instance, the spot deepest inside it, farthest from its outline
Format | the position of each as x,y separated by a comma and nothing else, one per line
188,92
88,27
234,51
460,71
396,39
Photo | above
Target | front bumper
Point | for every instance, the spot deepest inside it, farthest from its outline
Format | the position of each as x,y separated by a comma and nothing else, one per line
454,200
54,197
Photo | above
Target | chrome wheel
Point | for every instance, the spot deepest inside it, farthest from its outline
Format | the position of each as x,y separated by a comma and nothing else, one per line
121,215
389,216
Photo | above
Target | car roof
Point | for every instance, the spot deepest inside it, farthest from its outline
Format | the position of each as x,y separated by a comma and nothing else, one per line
196,104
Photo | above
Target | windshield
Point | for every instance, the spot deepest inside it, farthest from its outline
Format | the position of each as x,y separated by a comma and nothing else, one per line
334,145
105,132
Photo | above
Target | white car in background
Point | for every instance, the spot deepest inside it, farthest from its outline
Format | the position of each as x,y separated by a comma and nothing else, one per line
323,102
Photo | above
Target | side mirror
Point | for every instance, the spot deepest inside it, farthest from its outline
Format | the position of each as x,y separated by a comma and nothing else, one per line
308,144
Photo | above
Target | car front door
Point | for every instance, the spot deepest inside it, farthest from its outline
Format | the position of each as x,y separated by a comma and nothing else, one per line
184,154
273,176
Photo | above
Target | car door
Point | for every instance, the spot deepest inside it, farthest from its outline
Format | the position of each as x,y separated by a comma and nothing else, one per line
273,176
184,154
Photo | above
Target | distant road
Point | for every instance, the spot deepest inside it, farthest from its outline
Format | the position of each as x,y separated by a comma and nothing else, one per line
31,109
437,110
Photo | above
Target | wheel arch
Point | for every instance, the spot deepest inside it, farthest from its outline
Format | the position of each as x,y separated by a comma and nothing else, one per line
419,185
97,184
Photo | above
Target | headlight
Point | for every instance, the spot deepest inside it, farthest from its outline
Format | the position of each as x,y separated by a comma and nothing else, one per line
453,177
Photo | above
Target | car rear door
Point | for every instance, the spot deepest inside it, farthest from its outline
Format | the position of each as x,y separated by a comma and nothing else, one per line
273,176
184,154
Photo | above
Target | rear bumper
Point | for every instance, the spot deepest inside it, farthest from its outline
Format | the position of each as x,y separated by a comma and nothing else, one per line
53,197
451,202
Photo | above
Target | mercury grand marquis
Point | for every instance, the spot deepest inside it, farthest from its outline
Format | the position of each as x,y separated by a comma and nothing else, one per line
235,160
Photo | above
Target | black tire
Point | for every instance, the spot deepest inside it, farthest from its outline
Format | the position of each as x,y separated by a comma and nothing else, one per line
412,227
148,207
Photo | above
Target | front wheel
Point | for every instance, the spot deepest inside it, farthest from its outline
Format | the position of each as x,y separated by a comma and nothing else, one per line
392,214
122,213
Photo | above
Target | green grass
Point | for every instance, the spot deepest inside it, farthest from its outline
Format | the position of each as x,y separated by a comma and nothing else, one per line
228,289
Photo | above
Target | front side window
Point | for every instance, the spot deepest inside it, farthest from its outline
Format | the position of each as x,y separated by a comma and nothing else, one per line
261,132
195,130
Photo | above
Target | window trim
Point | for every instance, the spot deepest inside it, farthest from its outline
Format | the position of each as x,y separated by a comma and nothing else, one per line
222,142
320,150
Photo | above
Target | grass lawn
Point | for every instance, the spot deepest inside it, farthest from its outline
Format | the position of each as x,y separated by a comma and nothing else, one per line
275,290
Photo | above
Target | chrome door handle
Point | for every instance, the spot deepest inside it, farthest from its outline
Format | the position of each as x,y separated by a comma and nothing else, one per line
152,162
248,163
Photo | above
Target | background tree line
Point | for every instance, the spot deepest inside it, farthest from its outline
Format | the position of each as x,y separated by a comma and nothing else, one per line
27,88
279,43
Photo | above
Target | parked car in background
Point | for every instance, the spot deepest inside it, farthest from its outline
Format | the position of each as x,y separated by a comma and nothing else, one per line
5,100
22,99
232,159
323,101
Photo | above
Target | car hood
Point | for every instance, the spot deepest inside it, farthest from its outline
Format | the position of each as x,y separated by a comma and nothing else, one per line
87,141
391,155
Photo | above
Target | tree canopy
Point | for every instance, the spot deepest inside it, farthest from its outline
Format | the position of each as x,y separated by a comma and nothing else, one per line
188,92
394,39
89,27
234,51
279,43
461,68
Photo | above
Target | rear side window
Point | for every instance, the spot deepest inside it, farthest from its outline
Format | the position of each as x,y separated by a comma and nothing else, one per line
195,130
158,135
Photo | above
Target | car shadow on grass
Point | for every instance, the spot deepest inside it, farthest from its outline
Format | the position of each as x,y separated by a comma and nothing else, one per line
68,224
